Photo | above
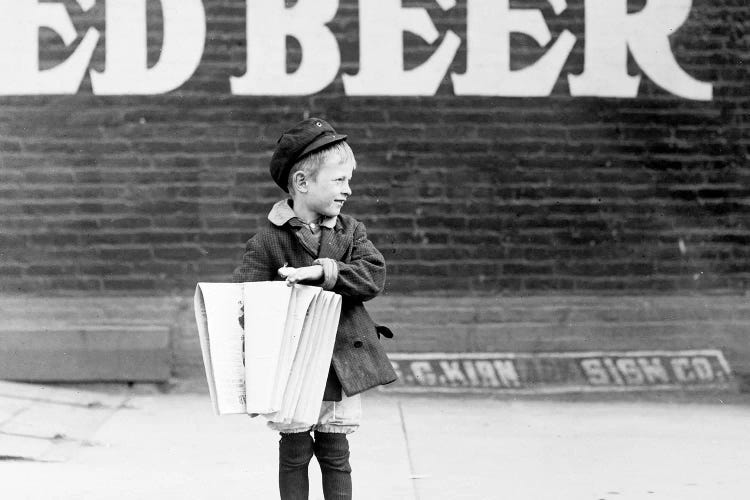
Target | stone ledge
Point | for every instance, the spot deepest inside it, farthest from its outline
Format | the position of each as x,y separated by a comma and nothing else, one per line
558,323
90,353
159,332
85,339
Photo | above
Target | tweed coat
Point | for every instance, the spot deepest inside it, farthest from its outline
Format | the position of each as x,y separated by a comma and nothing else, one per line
359,361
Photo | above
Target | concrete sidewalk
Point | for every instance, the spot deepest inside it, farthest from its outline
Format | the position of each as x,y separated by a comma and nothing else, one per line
118,443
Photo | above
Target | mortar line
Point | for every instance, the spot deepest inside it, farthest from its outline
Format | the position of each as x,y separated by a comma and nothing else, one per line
408,451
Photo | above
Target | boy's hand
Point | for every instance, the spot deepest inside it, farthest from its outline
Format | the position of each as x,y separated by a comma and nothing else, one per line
297,274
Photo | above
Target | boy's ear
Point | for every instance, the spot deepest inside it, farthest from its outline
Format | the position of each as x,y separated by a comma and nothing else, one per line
299,181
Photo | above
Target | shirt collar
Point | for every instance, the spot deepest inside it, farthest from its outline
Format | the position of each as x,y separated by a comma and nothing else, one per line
282,212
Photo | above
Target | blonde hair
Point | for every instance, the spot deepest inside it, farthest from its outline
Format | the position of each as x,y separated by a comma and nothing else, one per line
310,164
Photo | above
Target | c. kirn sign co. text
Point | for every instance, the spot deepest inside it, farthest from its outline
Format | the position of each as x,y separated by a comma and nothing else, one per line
610,33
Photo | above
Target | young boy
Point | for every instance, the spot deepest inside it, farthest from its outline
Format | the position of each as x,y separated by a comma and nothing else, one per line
308,240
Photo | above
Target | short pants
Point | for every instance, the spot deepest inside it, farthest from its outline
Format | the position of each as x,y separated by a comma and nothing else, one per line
335,416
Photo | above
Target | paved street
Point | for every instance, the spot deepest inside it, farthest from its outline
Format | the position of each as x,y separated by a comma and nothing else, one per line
111,442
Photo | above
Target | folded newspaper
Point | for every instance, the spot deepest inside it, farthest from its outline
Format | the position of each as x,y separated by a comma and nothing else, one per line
277,365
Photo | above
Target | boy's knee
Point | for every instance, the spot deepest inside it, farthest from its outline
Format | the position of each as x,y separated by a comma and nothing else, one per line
332,450
295,449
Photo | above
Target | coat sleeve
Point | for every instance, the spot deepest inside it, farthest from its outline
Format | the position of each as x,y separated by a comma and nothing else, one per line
256,264
363,276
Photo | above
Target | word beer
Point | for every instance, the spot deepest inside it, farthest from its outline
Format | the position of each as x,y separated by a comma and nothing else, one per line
610,33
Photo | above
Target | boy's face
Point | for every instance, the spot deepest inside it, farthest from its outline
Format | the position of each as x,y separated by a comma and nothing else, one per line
329,190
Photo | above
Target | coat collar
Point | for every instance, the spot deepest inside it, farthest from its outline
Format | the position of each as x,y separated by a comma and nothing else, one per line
332,244
282,212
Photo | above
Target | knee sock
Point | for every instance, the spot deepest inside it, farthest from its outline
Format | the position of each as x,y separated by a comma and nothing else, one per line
295,452
332,452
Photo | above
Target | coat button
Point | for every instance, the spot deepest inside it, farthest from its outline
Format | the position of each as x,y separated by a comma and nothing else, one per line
357,343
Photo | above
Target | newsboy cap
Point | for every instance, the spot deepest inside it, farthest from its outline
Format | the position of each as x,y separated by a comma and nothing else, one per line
299,141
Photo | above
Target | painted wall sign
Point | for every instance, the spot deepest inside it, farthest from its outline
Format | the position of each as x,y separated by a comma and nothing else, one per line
563,372
611,32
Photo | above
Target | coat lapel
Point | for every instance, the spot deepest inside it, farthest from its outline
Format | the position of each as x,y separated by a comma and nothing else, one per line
304,236
334,243
308,243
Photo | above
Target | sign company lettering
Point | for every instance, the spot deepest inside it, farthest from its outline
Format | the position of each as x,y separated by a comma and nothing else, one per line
611,33
564,372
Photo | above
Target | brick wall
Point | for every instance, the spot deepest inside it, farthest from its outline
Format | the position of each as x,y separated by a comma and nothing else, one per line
469,195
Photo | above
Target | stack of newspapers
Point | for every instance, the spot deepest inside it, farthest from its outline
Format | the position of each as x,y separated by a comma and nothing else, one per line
277,365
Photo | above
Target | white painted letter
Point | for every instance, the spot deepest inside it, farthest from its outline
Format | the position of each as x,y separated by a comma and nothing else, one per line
486,373
269,22
595,372
703,370
629,369
507,372
381,47
423,373
19,48
453,373
489,26
610,31
682,370
127,70
653,370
